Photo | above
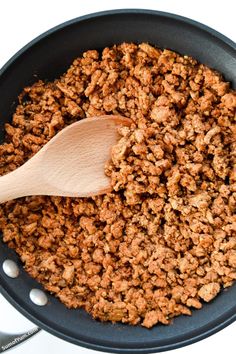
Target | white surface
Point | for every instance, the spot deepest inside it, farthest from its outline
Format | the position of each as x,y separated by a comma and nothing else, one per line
20,22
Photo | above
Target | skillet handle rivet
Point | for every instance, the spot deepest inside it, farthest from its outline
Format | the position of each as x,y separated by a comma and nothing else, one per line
38,297
10,268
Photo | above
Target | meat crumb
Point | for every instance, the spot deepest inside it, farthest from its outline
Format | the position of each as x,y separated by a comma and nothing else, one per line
208,291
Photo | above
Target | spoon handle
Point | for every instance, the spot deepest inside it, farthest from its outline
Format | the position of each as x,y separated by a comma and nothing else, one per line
18,183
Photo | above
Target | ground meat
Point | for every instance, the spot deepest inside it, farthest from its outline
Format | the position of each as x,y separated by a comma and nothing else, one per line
164,239
209,291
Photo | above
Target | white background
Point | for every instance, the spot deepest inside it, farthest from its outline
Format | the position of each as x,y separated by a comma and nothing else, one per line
20,22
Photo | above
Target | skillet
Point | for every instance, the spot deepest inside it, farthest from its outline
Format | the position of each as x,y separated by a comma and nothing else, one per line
47,57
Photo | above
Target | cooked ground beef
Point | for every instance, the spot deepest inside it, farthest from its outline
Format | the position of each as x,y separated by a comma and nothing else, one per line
164,239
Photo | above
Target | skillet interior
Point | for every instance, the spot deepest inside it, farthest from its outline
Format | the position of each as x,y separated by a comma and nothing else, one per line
46,58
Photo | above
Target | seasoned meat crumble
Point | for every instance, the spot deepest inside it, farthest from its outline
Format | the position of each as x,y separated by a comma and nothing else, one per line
164,240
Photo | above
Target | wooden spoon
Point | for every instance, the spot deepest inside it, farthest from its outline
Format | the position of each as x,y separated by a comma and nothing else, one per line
70,164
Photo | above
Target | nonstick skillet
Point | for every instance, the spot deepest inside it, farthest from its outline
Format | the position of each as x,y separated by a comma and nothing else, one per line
47,57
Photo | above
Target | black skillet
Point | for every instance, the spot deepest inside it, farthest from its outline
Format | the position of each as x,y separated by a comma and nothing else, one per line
47,57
